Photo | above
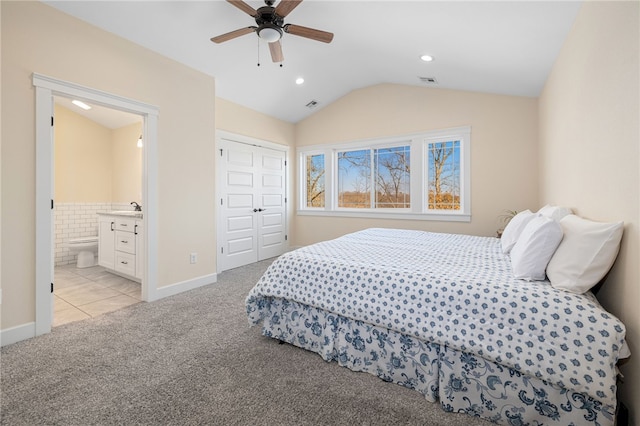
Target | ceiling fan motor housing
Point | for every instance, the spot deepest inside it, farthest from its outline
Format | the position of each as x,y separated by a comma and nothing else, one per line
267,15
269,24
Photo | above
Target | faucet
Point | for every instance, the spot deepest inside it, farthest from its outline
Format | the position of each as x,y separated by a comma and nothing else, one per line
137,207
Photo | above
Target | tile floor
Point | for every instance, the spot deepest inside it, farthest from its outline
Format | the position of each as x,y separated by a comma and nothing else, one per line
81,293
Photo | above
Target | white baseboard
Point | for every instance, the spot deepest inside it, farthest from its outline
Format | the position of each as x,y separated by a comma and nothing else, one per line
173,289
27,331
18,333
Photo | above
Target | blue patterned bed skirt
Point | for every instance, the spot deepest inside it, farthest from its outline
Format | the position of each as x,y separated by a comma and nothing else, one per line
462,382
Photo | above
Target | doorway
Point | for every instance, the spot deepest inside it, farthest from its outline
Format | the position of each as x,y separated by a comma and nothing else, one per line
46,89
252,188
97,169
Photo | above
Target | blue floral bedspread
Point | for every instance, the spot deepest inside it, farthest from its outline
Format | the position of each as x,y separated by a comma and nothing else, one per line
457,291
459,381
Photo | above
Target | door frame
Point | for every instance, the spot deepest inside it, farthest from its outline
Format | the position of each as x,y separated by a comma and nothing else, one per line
46,88
233,137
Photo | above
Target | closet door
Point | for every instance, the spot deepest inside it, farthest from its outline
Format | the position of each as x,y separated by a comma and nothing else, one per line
252,207
271,210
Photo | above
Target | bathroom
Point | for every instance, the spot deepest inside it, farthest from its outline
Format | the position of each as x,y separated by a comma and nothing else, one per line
97,169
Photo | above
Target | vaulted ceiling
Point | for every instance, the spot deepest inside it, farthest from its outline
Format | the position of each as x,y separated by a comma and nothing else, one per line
503,47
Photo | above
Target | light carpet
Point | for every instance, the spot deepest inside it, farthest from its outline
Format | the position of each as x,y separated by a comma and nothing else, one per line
191,359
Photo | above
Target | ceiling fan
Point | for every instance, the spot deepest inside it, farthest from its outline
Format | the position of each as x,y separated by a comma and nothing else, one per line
270,26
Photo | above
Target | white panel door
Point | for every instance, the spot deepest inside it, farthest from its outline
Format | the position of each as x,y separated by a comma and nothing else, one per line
238,169
271,212
252,207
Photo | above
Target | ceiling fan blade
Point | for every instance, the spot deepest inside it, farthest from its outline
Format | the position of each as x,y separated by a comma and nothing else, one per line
286,6
244,7
311,33
276,51
233,34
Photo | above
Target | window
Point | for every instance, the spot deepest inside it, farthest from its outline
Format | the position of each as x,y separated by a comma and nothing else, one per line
354,179
443,165
314,180
392,177
374,178
424,176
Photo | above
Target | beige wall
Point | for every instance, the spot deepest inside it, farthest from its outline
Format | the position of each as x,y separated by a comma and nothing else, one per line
589,149
127,164
37,38
504,139
0,175
240,120
95,164
82,159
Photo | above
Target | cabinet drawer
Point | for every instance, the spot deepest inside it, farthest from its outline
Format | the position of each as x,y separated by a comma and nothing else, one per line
125,224
126,263
126,241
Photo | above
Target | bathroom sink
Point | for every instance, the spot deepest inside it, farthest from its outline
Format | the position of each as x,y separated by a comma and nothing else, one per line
126,213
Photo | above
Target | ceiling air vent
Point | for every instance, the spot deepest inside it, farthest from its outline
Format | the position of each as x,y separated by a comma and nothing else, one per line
428,80
312,104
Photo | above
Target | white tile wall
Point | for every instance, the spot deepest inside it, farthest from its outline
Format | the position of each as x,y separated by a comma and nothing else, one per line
74,220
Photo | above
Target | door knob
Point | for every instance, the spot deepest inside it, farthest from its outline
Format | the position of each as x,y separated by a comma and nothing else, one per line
255,210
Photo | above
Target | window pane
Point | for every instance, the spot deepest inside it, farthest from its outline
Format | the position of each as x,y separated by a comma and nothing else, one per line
392,177
354,177
315,180
444,175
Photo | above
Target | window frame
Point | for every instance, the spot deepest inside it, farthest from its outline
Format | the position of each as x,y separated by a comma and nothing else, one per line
302,162
372,180
418,180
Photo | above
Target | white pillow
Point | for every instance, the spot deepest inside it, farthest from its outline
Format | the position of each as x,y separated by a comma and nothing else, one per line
585,255
554,212
533,250
513,230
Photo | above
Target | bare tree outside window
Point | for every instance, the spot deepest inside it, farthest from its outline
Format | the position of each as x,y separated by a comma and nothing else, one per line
386,170
354,175
392,177
315,180
444,175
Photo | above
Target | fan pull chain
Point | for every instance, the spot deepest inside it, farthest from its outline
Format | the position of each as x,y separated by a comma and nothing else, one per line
259,54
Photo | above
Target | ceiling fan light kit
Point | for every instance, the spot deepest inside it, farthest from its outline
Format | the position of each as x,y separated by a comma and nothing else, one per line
271,27
269,33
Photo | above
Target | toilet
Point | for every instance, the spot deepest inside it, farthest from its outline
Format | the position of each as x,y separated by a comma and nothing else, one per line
86,248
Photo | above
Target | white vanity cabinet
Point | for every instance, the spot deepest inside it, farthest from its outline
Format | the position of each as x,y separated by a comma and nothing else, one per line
106,241
120,244
139,241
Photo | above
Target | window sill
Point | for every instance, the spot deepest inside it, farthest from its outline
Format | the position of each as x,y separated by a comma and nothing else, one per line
442,217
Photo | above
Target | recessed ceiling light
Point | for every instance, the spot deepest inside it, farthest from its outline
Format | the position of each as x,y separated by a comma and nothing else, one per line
81,104
426,58
299,80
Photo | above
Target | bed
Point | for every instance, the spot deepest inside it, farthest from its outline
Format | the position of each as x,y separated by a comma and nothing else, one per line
444,315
